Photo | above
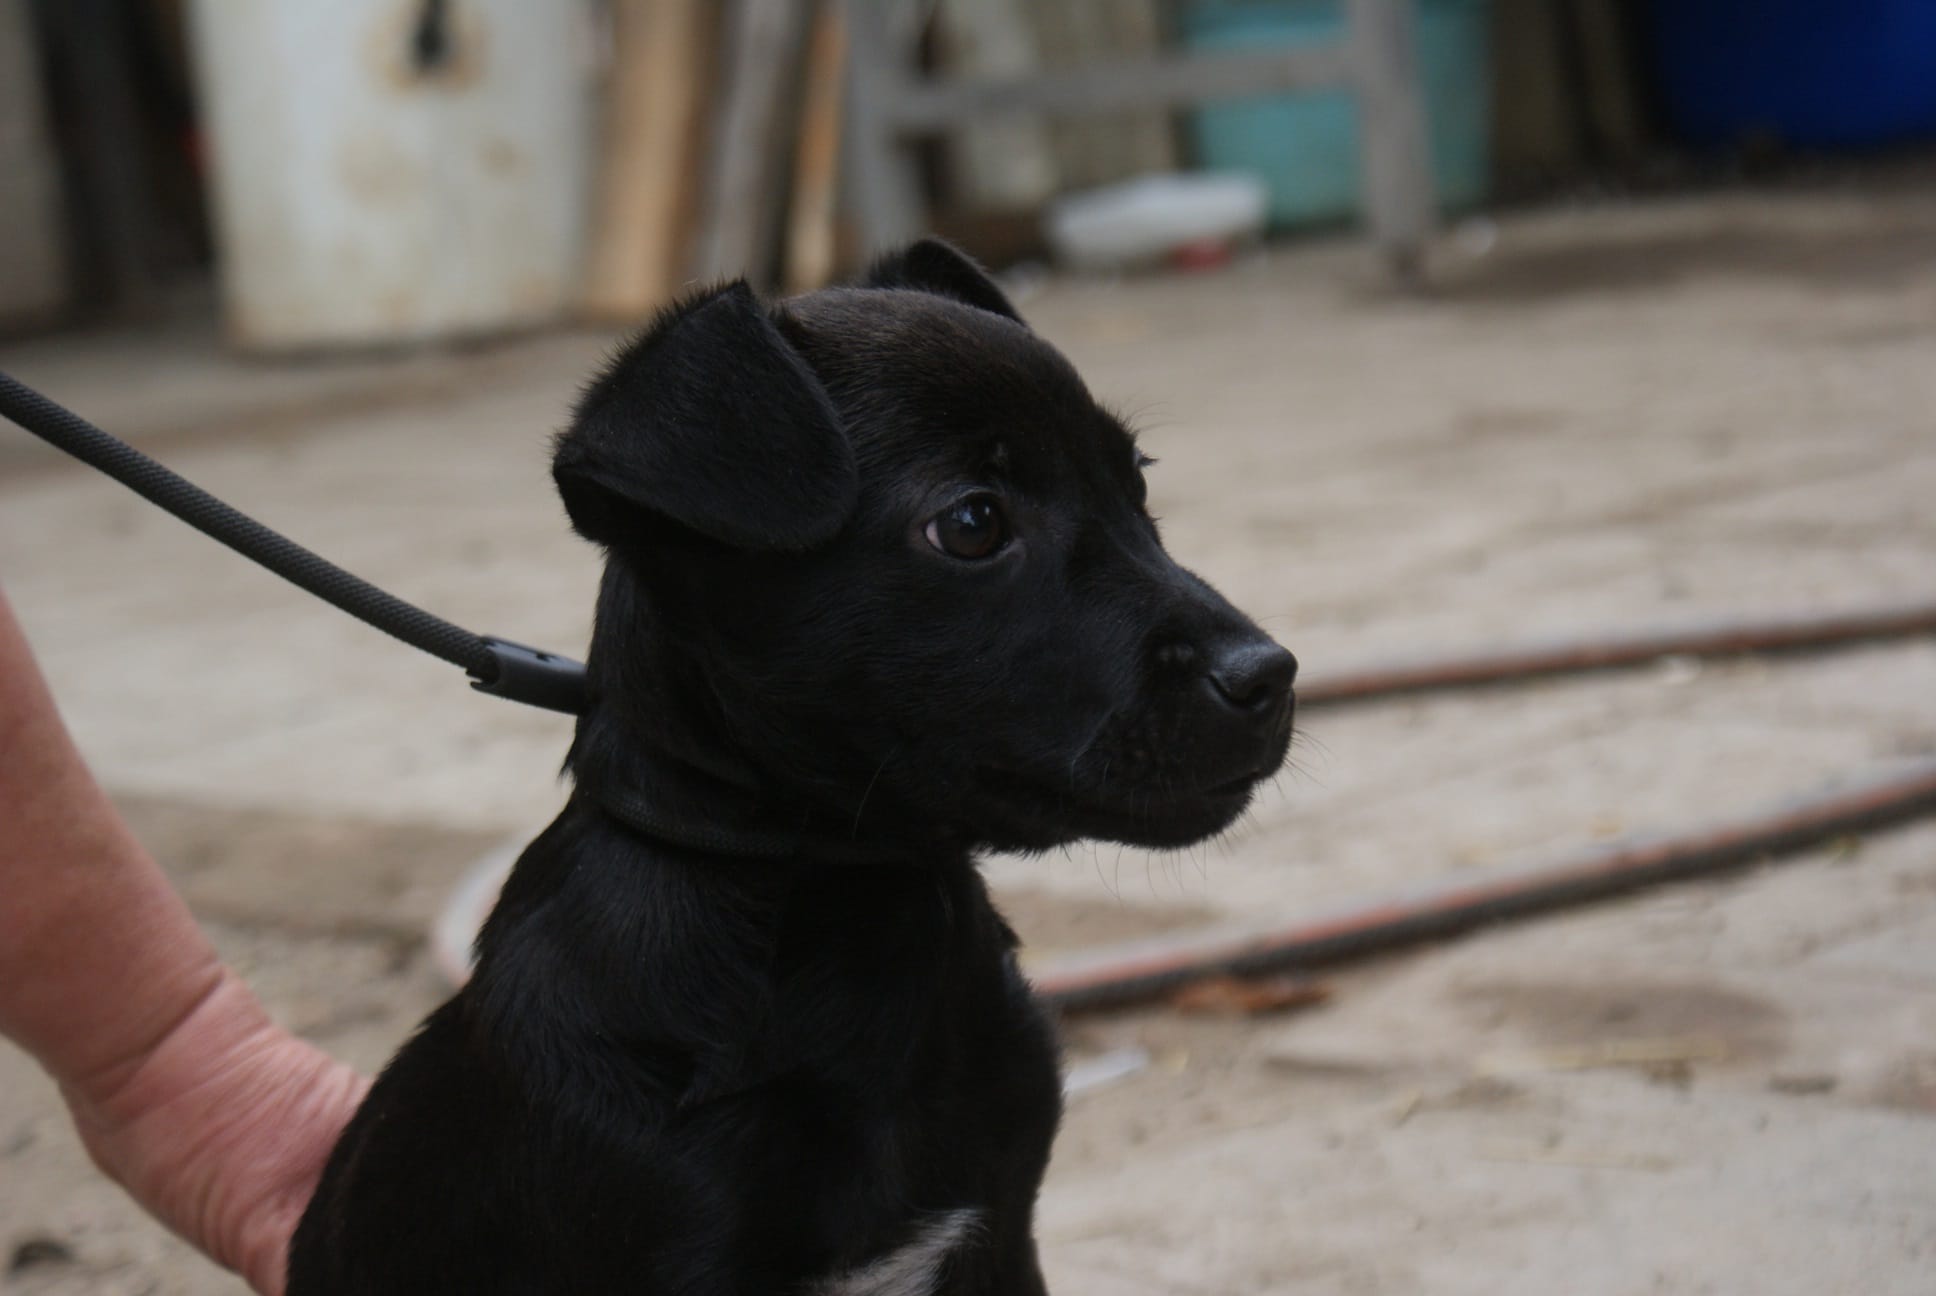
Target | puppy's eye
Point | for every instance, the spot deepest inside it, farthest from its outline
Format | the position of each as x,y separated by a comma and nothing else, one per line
972,527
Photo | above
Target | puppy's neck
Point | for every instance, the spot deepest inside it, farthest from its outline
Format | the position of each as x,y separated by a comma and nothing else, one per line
656,751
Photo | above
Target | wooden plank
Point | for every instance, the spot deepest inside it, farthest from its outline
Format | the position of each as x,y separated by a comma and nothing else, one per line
816,160
1399,196
1167,82
113,197
33,269
1003,165
1091,151
1607,61
653,104
884,183
1536,131
763,43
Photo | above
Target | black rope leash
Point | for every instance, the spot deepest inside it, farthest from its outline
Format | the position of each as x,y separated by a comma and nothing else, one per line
496,666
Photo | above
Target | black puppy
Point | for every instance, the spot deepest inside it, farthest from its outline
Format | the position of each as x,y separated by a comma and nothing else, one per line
881,591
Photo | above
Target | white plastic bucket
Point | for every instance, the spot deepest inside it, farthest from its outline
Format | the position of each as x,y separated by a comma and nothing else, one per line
394,170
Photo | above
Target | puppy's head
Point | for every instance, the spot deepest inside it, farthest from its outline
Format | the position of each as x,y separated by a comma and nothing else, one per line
897,559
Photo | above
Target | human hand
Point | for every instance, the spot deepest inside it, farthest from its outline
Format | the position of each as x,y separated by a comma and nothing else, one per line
221,1129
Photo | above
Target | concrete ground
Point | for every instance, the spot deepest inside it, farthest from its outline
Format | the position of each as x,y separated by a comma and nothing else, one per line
1607,419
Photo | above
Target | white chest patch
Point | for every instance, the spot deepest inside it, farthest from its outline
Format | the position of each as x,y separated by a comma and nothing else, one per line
912,1270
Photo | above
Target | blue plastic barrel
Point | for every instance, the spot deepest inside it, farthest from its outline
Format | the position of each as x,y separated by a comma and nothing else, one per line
1306,146
1814,73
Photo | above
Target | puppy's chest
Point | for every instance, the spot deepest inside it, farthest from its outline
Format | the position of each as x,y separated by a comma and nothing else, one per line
925,1117
924,1058
929,1191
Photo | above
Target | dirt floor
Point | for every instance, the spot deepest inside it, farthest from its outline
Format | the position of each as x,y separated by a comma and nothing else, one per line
1606,419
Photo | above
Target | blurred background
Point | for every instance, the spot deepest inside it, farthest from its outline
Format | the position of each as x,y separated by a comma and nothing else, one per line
1454,324
374,172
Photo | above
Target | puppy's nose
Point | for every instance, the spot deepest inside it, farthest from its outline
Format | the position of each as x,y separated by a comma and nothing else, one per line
1253,675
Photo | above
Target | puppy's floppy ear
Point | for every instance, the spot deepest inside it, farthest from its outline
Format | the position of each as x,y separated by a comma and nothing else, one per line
713,422
936,267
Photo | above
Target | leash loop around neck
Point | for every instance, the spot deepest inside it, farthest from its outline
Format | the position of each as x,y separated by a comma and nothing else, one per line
496,666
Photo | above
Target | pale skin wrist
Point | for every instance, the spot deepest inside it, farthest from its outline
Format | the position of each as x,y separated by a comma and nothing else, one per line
223,1129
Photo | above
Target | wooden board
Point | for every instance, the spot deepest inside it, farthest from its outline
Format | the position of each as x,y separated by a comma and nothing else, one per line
762,44
33,277
645,185
810,250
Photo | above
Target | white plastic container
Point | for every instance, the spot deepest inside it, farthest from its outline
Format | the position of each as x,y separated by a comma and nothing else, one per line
394,170
1143,220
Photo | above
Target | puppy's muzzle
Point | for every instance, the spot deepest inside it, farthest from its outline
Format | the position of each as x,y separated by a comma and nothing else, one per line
1243,703
1252,679
1232,703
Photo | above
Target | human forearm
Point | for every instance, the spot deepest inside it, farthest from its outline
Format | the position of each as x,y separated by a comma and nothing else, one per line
183,1089
99,958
